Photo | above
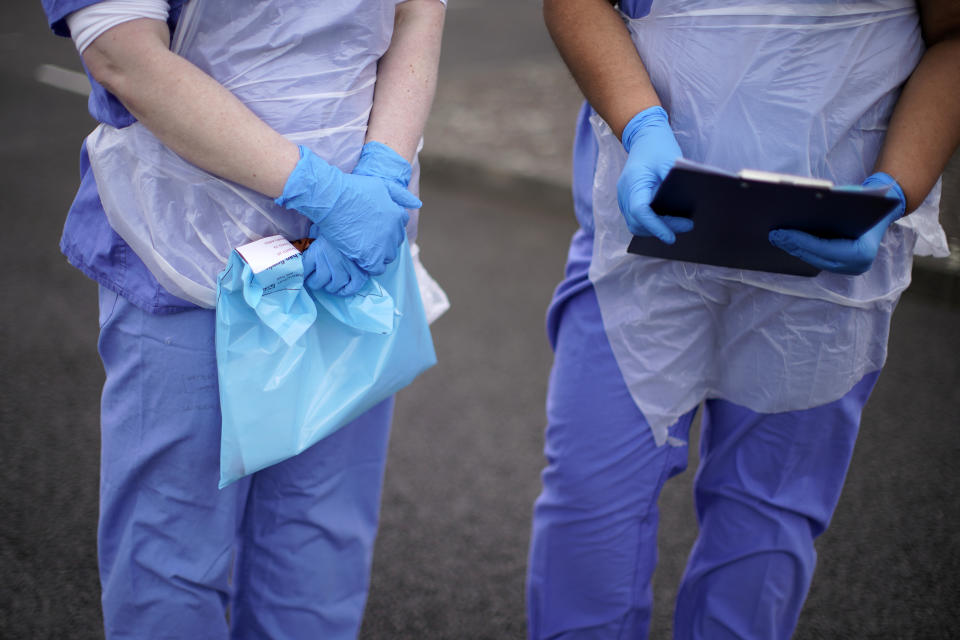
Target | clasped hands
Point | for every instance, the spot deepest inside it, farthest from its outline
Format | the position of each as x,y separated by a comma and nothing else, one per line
359,218
652,150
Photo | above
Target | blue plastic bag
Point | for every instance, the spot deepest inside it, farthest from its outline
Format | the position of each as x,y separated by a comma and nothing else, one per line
295,365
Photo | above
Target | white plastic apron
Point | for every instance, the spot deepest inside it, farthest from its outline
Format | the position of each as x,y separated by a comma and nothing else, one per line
803,87
308,70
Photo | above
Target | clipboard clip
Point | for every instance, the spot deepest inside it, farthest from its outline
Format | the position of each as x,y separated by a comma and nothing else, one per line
784,178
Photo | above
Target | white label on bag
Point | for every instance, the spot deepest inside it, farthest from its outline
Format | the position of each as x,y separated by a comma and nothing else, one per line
266,252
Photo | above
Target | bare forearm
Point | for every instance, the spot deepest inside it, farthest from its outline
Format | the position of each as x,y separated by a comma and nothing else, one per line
925,127
407,77
601,58
188,110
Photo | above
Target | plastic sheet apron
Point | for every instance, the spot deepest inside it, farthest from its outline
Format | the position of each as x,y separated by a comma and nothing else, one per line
308,72
803,87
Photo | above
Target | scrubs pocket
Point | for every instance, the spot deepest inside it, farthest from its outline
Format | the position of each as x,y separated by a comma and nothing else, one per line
108,304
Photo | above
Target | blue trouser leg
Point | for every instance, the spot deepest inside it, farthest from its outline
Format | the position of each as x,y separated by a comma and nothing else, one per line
167,535
593,547
767,485
308,535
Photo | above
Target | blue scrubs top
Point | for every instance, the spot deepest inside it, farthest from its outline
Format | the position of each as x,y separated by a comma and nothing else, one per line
88,241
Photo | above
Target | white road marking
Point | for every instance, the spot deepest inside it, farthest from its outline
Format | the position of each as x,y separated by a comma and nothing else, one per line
61,78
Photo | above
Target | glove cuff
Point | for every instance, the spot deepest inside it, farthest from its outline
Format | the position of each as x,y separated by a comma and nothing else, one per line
885,179
379,160
312,187
651,117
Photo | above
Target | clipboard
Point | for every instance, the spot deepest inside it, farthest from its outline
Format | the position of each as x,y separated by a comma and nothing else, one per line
733,215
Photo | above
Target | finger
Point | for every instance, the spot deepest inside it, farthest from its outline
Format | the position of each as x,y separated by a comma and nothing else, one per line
317,273
390,254
374,269
813,259
643,215
339,277
835,250
358,278
355,276
819,252
678,224
347,276
370,259
403,197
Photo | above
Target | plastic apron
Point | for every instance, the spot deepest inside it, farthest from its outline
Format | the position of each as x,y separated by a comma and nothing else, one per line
803,87
309,72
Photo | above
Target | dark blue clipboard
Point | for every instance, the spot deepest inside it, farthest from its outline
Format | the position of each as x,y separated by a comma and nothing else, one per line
734,214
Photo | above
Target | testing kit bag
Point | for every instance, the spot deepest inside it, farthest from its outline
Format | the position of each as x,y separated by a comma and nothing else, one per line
295,364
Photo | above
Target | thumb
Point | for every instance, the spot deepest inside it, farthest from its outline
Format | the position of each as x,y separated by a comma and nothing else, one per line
316,268
403,197
641,214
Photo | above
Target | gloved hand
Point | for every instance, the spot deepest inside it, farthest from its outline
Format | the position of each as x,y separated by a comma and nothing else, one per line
380,161
851,257
324,267
652,149
363,217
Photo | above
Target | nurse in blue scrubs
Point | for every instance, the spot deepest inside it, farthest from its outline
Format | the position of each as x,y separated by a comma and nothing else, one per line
288,550
855,93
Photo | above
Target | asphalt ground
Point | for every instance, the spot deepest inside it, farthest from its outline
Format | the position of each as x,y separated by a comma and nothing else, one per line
465,451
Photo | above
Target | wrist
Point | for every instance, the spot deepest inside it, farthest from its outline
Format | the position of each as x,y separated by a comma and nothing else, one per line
654,116
380,160
313,187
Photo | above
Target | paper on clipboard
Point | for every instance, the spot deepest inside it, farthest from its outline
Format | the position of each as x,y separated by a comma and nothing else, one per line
733,215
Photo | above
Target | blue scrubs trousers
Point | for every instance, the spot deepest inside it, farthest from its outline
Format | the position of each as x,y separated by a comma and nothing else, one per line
767,485
288,549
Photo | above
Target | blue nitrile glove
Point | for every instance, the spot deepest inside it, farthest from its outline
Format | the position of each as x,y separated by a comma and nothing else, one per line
851,257
652,149
324,267
380,161
362,216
